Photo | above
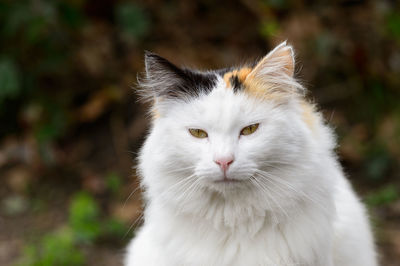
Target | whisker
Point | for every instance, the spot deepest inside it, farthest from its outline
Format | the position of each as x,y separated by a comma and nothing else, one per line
179,183
266,189
137,220
254,181
276,180
130,195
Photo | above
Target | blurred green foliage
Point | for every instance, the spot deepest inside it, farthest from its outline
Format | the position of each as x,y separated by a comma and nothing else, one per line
132,20
269,29
9,80
84,217
378,162
115,229
383,196
63,246
393,24
113,182
58,248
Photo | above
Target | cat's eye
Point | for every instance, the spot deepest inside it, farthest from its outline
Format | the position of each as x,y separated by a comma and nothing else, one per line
249,129
198,133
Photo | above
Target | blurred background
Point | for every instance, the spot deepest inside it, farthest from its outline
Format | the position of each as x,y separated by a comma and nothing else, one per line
71,125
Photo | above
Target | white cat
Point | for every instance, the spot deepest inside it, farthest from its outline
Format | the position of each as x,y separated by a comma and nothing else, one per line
240,170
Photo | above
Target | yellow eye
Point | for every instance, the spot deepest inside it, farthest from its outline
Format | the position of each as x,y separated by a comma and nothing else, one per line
249,129
198,133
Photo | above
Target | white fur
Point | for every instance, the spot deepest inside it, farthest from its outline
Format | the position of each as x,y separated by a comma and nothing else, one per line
300,211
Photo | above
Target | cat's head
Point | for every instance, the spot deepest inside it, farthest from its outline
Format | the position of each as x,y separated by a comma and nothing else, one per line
226,131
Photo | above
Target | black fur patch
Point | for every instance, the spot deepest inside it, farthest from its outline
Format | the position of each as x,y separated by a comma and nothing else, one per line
198,82
236,84
166,79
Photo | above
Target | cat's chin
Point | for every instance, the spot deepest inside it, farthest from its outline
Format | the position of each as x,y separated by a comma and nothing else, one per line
229,184
228,181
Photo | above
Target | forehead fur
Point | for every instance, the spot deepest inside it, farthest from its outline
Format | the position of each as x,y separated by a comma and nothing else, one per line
221,109
235,78
271,78
273,87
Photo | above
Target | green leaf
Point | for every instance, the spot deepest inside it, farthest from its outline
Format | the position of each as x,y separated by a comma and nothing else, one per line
52,124
383,196
58,248
35,30
10,85
269,29
132,20
71,15
113,182
113,228
84,217
393,24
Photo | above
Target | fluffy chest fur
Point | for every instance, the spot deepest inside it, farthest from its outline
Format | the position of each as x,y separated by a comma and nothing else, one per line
257,241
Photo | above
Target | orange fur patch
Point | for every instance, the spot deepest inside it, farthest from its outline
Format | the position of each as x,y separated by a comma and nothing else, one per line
261,90
240,73
254,87
154,112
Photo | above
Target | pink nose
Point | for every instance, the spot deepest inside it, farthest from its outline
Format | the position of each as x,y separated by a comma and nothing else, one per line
224,163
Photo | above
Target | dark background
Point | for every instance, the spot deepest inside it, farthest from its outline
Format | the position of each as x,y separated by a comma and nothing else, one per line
70,123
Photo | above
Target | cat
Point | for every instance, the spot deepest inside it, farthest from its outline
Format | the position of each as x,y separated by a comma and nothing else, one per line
239,169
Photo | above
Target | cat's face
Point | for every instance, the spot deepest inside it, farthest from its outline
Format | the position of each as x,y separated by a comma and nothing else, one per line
225,138
224,131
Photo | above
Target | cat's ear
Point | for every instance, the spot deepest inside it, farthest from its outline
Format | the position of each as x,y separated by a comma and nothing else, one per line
160,78
276,70
280,60
165,80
